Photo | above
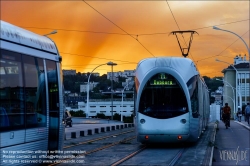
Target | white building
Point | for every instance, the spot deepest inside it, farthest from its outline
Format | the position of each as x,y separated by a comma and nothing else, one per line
104,106
240,90
92,85
93,74
125,74
69,72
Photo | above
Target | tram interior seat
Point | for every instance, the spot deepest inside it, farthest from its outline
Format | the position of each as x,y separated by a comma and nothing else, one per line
4,119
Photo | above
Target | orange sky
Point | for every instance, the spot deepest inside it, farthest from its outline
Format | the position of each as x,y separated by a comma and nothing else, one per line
83,47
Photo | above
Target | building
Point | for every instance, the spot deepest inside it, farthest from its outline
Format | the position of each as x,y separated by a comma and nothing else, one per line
125,74
104,106
92,74
217,95
69,72
237,83
72,100
92,85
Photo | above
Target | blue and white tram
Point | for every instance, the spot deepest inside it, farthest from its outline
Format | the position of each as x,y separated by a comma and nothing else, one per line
172,102
31,96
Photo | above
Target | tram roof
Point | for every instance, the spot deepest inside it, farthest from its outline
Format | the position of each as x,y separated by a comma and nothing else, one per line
185,67
21,36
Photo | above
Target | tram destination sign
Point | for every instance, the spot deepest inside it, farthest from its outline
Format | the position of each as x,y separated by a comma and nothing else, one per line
162,82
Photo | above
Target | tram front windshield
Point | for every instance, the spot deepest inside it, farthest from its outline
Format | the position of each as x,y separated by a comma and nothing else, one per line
163,97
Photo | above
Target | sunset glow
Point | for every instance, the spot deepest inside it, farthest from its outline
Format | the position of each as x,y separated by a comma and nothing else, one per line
96,32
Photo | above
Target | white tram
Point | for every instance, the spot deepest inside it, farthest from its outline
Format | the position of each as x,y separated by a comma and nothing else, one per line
31,96
172,102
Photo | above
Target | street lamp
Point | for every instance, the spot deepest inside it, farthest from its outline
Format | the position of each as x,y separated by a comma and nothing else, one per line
87,112
237,80
122,100
232,100
111,64
51,33
239,95
248,50
230,86
232,89
216,28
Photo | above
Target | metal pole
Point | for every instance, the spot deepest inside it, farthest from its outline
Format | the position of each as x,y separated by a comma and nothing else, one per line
111,92
233,94
238,82
122,106
240,97
234,100
87,111
231,99
248,50
122,101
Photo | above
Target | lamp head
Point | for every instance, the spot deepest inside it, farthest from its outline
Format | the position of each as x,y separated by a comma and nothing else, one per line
111,64
216,28
51,33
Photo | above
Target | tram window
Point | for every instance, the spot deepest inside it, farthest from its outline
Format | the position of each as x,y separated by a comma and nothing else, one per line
163,97
193,91
35,91
53,104
11,91
52,85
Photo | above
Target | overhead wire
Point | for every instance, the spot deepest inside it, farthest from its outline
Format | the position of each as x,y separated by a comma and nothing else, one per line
136,38
96,64
123,34
223,50
118,27
178,26
211,73
163,33
96,57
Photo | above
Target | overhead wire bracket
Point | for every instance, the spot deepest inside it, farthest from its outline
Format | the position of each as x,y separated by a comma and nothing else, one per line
190,41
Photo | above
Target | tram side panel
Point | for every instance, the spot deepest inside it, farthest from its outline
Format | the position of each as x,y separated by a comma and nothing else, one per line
27,100
201,106
194,111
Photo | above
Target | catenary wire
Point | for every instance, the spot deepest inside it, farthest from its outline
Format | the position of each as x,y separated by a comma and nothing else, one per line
142,35
95,57
123,34
118,27
148,34
179,28
222,50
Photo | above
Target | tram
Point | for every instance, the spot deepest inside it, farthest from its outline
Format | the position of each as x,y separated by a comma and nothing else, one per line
31,96
172,102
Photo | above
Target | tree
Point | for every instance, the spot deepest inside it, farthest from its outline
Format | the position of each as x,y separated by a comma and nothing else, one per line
212,85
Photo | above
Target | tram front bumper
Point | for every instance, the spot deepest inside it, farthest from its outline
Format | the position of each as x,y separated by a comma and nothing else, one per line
162,138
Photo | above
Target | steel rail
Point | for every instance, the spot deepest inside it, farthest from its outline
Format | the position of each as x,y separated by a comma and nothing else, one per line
97,139
95,150
129,156
176,157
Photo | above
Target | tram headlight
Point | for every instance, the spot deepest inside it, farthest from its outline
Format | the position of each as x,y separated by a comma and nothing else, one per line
142,121
183,121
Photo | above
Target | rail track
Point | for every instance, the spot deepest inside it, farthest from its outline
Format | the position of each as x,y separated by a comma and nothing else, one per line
114,139
171,160
123,149
96,139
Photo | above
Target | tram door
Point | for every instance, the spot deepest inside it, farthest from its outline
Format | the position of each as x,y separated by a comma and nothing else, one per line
53,141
